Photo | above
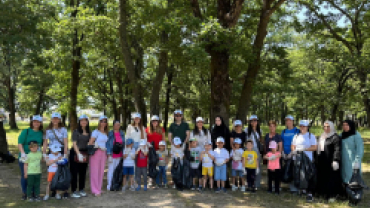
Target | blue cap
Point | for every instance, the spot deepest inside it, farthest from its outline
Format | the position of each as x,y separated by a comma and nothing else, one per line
129,141
238,123
83,117
103,117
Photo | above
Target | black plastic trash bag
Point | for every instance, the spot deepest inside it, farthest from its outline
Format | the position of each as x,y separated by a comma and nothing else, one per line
287,176
355,188
117,177
176,173
187,180
153,161
304,172
62,179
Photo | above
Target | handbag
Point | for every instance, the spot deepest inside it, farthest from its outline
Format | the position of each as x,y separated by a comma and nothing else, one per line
91,149
84,154
117,147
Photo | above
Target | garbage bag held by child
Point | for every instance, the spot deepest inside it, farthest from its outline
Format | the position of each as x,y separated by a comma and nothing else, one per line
287,171
153,161
117,177
176,172
62,179
187,182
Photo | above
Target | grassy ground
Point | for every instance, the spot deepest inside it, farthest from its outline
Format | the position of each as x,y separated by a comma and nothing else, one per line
10,191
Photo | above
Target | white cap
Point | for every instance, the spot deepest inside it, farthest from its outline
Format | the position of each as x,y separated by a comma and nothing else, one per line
154,118
83,117
199,119
162,143
55,148
136,115
220,139
37,118
237,141
289,117
238,123
177,141
177,112
253,117
102,117
304,123
209,142
142,142
56,115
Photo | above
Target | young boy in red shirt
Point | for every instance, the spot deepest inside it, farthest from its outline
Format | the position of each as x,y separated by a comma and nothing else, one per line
141,165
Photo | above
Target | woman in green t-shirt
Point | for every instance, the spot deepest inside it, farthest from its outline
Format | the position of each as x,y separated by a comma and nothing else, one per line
34,133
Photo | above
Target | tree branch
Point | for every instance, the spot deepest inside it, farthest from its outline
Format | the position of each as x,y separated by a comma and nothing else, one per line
233,15
275,7
196,8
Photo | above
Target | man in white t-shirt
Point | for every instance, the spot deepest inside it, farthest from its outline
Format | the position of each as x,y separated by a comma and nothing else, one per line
306,142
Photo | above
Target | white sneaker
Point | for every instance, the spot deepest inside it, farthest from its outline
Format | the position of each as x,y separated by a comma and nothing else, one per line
83,193
57,196
331,200
242,189
75,195
234,188
174,186
46,197
124,189
132,188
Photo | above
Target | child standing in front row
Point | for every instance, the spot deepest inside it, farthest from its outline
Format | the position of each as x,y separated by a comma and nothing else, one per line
141,165
273,167
162,164
51,161
237,165
195,172
177,152
250,163
221,158
207,158
128,164
32,171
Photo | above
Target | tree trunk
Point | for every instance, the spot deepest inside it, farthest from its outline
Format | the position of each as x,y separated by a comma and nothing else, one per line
364,93
132,71
39,103
113,97
168,93
3,141
64,118
11,101
220,84
323,118
123,107
333,116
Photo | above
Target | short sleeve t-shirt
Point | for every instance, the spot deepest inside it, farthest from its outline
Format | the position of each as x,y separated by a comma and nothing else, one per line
237,158
207,162
117,138
287,138
81,140
276,138
142,160
27,136
162,155
250,158
242,136
60,134
128,161
305,141
179,130
100,138
177,152
34,163
53,167
195,153
221,154
201,138
273,164
154,137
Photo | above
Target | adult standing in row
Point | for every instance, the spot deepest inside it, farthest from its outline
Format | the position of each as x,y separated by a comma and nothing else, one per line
179,129
155,133
238,132
287,136
115,147
200,133
254,133
273,136
306,142
33,133
99,138
56,136
352,150
329,181
136,130
78,157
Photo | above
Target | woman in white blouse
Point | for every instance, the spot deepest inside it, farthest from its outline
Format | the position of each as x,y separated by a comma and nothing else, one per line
97,161
200,133
136,131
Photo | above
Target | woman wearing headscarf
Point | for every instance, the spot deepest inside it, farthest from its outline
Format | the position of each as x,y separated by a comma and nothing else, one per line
115,137
328,163
352,150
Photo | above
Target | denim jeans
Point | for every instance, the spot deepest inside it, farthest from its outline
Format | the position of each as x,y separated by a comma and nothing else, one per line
161,173
23,180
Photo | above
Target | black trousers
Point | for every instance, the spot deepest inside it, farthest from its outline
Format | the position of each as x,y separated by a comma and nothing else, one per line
251,177
274,176
78,172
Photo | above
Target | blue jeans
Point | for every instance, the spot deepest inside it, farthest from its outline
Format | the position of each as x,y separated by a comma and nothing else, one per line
161,173
23,180
220,173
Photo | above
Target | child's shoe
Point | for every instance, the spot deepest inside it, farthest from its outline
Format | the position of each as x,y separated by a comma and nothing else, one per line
224,189
165,186
83,193
24,197
200,188
234,188
38,199
193,188
218,190
31,199
46,197
145,188
138,188
57,196
123,188
132,188
75,195
156,186
242,189
174,186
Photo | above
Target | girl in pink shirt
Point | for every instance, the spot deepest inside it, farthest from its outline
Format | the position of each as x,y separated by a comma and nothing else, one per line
273,167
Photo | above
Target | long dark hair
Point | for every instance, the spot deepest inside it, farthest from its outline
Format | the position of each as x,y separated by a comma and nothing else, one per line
60,125
196,130
87,128
250,129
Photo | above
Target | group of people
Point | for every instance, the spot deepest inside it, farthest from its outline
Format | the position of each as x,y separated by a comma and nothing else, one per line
215,156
